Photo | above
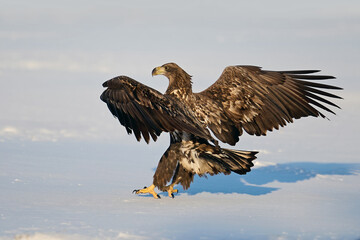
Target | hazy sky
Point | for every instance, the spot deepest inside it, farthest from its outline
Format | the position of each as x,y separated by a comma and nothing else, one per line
55,56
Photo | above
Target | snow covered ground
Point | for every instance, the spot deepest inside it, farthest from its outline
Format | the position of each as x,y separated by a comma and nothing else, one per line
68,169
80,190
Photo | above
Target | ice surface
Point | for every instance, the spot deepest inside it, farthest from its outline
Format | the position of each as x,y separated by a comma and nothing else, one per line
83,190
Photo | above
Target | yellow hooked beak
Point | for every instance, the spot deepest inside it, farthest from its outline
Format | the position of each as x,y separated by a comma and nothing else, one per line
158,71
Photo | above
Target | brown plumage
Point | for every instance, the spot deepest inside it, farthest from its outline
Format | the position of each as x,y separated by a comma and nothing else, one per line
244,98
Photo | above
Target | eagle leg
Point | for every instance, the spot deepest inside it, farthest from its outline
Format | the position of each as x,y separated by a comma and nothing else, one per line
170,190
148,190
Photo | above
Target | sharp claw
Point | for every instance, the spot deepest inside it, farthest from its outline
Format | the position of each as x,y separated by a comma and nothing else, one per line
172,195
158,196
146,190
137,190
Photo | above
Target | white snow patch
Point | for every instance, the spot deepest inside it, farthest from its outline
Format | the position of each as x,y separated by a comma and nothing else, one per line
42,134
42,236
258,164
9,130
330,177
268,152
56,236
123,235
62,64
16,180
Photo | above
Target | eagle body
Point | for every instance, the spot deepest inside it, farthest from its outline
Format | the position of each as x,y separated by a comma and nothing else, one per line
244,98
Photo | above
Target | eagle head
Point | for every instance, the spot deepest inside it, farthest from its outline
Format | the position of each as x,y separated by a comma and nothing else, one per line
178,78
170,70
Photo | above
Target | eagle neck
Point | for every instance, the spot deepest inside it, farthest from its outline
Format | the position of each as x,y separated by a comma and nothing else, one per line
180,86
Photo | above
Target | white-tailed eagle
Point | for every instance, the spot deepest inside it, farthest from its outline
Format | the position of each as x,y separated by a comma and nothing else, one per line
244,98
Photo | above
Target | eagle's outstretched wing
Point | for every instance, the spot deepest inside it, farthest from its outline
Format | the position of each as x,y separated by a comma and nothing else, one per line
147,112
246,97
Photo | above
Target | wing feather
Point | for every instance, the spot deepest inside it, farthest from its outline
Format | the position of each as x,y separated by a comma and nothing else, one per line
146,112
259,101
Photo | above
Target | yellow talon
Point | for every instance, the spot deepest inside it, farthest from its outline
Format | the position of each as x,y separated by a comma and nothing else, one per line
148,190
171,190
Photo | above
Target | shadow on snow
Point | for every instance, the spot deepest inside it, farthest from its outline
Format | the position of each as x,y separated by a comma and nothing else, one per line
285,173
